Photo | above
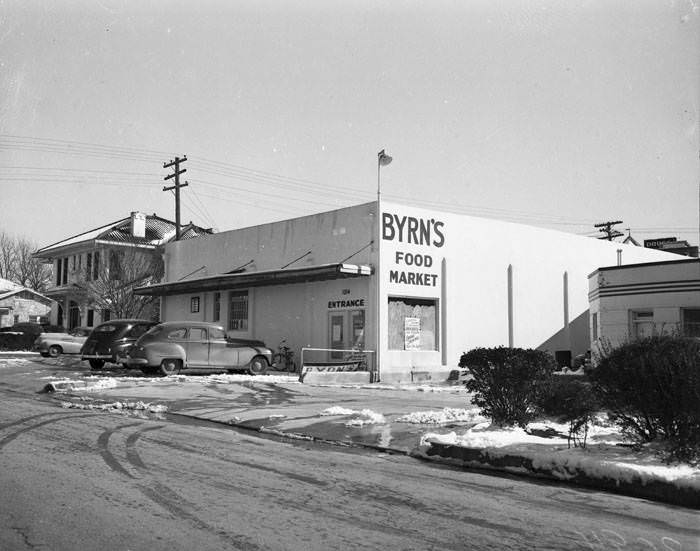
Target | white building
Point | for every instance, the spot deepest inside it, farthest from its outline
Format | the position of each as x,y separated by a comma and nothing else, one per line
639,300
446,283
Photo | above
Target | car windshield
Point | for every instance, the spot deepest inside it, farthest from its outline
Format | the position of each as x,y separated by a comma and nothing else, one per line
109,328
138,330
216,333
155,330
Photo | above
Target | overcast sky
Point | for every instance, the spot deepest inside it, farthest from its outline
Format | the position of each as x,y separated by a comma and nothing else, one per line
558,114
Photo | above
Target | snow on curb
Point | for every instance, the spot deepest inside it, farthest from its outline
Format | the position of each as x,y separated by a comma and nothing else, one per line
603,464
89,384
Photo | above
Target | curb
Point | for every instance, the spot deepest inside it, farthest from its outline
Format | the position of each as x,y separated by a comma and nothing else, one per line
63,386
478,458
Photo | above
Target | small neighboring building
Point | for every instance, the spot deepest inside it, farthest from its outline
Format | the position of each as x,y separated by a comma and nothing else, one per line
639,300
104,255
20,305
672,245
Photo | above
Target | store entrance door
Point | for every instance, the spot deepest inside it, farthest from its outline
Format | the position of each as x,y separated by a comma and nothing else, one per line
346,331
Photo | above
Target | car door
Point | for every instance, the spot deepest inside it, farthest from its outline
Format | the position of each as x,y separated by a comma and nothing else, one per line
221,354
197,347
73,341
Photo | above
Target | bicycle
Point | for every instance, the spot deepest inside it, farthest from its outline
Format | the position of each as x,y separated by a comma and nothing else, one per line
283,360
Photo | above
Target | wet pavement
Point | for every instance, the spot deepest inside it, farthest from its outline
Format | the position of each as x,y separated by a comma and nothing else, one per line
275,403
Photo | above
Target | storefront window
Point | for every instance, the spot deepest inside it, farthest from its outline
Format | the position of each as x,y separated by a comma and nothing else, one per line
238,311
412,323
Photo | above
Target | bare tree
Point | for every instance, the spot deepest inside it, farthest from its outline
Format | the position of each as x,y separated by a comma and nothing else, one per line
7,255
19,266
111,284
29,271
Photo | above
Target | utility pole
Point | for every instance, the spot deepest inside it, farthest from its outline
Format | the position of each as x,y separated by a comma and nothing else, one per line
607,229
176,187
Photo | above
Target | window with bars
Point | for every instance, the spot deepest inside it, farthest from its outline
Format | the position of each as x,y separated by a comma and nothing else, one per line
194,305
238,311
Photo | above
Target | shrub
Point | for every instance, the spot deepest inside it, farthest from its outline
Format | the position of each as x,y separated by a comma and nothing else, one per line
16,341
507,382
651,388
570,398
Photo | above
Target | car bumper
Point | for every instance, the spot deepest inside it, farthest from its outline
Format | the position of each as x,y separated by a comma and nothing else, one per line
106,357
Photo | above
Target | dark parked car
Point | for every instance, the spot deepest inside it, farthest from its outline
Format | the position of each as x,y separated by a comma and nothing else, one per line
25,328
175,345
110,341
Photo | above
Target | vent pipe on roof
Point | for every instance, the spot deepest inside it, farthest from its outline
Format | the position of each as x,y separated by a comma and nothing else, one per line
138,224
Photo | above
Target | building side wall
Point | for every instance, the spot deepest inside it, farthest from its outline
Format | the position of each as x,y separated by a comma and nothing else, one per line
478,253
296,313
331,237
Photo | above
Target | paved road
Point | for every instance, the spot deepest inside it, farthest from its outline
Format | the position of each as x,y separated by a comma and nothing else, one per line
85,480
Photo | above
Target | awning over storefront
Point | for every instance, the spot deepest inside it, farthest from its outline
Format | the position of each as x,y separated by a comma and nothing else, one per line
262,278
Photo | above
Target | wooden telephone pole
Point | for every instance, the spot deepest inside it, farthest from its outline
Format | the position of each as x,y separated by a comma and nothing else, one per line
607,229
176,187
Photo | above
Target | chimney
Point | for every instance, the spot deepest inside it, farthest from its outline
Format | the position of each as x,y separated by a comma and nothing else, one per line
138,224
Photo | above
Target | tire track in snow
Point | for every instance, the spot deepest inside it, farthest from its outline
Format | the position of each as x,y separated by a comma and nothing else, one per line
159,493
20,432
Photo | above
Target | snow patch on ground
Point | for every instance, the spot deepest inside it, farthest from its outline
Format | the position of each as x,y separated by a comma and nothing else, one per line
337,410
441,417
117,406
5,362
364,417
437,388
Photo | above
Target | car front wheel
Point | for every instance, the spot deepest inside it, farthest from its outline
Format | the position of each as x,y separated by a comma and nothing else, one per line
170,367
55,351
257,366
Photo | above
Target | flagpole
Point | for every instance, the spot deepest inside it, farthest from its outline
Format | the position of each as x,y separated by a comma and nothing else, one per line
382,159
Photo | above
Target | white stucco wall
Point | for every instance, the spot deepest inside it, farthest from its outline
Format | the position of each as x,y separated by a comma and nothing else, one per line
330,236
477,253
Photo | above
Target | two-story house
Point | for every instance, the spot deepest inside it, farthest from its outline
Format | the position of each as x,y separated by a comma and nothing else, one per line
94,271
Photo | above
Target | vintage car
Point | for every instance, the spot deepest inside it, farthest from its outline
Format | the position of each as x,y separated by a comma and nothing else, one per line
175,345
110,341
55,344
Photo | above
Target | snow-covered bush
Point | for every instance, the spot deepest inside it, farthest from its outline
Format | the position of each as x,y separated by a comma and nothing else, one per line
508,382
572,400
651,388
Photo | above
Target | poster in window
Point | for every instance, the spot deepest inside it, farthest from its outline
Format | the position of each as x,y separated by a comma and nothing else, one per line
411,327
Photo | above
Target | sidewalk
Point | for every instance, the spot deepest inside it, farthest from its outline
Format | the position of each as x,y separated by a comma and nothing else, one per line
376,416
